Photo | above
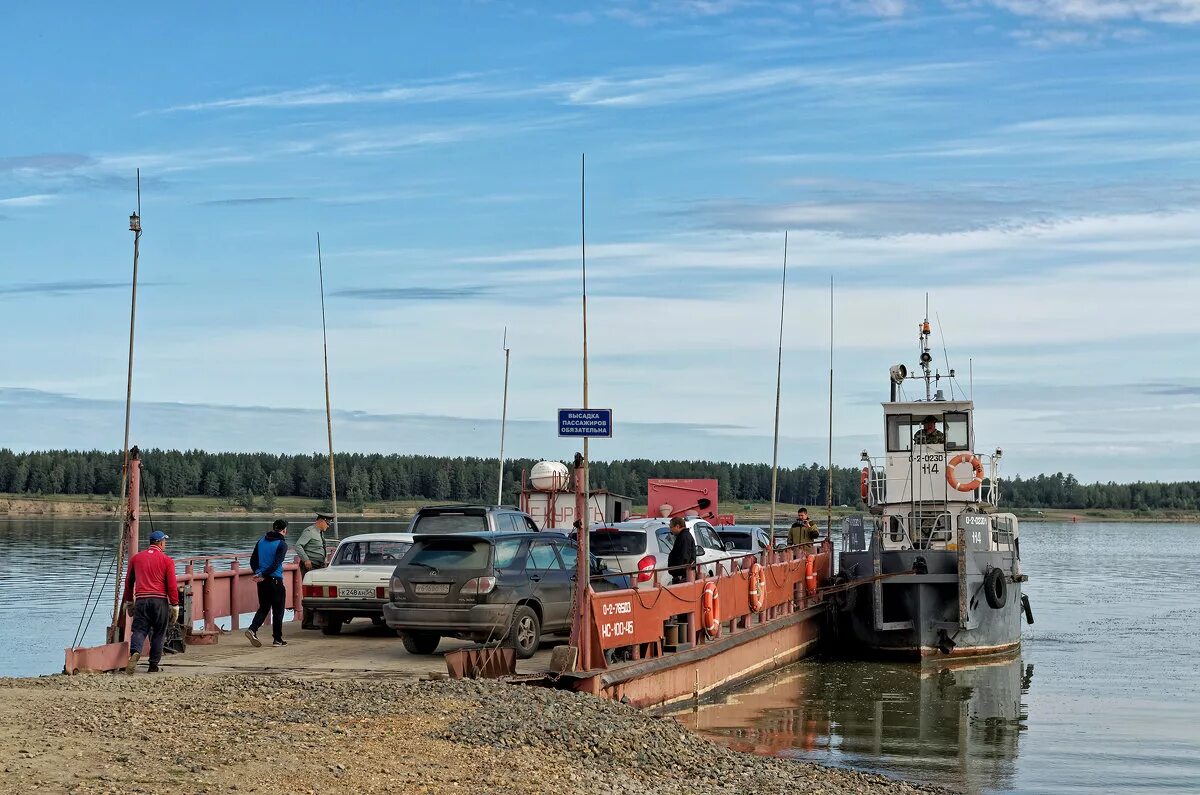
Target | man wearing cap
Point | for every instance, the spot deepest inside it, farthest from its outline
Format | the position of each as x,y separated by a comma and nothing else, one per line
267,562
929,433
311,554
151,599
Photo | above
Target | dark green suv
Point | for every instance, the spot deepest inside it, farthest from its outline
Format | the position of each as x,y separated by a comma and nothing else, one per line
487,586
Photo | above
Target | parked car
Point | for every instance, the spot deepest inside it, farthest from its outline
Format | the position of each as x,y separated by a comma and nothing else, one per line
643,545
355,583
744,538
487,586
471,519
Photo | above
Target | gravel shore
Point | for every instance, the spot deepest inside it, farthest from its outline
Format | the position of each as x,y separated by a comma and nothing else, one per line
266,734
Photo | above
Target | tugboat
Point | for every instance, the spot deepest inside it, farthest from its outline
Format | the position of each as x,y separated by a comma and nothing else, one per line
938,568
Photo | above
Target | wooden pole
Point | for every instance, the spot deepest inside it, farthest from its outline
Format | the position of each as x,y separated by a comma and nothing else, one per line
328,405
829,470
503,423
778,391
583,569
135,226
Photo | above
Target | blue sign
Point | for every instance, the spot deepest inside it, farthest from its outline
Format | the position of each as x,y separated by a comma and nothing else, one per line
585,422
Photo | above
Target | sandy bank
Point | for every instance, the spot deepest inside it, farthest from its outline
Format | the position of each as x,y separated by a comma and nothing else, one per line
117,734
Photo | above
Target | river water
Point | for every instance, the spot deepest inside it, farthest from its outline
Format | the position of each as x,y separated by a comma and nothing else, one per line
1104,696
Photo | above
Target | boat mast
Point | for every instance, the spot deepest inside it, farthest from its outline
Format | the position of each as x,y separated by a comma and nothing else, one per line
328,409
135,226
829,470
778,391
503,422
926,356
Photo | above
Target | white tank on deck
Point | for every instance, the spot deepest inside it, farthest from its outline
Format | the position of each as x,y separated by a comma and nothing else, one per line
548,476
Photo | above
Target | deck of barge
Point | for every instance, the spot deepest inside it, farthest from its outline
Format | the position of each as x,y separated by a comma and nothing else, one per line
360,649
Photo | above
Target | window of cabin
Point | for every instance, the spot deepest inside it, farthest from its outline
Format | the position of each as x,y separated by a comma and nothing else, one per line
899,433
958,436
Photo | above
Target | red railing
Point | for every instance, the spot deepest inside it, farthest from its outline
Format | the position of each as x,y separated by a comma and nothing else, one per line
222,586
634,619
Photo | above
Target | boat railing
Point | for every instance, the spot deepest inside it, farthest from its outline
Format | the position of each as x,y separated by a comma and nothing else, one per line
653,619
877,481
223,587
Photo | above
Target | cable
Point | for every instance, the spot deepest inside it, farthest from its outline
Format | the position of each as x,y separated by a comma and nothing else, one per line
88,601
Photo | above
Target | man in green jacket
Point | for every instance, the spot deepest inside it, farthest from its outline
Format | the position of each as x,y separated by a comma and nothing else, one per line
802,531
310,546
311,554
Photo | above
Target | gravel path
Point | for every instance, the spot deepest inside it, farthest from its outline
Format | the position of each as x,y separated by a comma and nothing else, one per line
145,734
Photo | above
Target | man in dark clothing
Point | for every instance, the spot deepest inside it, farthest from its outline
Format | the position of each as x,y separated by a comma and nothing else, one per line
152,599
267,562
683,550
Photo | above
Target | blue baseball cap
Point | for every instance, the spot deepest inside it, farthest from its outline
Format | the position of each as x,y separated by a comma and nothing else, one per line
158,535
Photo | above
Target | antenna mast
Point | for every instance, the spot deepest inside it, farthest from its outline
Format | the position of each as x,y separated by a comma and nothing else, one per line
778,390
328,410
926,356
135,226
503,421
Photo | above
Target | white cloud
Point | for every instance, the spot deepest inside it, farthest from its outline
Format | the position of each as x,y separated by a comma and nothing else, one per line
1095,11
32,200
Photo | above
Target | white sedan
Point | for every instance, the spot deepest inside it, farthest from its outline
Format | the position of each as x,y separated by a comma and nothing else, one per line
355,583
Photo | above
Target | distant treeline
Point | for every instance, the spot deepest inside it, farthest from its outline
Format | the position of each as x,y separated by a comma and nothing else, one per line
257,478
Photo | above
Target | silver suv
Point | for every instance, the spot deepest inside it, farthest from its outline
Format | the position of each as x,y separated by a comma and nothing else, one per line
641,546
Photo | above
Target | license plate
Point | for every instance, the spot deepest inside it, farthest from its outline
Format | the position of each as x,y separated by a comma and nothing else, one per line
355,593
431,587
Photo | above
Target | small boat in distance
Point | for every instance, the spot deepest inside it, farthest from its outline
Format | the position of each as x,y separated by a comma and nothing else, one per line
942,566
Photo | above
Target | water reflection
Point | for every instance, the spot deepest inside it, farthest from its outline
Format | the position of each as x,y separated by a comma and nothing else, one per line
957,723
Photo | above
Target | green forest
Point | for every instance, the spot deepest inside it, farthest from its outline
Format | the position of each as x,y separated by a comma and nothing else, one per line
364,478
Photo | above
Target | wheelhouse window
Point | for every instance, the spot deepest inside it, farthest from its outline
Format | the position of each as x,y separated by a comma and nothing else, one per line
958,435
899,433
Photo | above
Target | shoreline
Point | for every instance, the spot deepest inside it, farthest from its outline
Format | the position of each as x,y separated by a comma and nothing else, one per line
95,506
271,734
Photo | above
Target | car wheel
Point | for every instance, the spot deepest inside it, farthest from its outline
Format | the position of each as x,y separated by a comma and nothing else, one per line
421,642
332,625
526,632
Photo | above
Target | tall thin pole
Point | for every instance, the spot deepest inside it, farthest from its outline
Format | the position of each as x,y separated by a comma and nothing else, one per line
135,226
583,569
829,470
328,405
778,392
503,422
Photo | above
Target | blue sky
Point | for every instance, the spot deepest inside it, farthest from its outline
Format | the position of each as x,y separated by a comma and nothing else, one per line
1032,164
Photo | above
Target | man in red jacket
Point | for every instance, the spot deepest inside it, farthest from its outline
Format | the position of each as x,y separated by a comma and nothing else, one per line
152,599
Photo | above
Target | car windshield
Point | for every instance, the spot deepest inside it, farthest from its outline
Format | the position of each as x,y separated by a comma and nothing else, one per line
617,542
370,553
738,540
450,523
450,553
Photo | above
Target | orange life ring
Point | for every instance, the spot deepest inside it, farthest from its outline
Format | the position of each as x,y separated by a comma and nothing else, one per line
864,482
758,587
710,611
965,458
810,575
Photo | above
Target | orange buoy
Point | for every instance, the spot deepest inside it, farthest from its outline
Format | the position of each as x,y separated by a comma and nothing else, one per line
710,611
964,458
810,575
758,586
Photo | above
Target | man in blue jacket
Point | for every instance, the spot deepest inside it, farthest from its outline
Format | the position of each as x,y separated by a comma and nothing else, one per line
267,563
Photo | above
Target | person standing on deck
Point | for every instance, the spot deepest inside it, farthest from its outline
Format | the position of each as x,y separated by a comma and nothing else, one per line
267,562
683,551
151,599
311,554
802,531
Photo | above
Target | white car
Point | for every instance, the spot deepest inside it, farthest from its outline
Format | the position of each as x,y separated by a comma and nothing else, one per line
355,583
641,546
